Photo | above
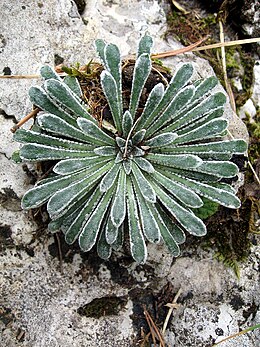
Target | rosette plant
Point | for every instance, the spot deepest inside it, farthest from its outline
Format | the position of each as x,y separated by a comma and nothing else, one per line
139,176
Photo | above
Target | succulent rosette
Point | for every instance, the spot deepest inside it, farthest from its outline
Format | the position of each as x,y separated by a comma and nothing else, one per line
139,177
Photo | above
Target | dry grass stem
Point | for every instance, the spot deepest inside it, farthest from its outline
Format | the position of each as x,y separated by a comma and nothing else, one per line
171,307
25,119
154,330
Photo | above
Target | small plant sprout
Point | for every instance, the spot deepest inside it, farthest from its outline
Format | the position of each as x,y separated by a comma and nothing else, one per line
139,175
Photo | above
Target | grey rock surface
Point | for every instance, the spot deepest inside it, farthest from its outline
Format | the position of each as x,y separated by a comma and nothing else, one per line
41,304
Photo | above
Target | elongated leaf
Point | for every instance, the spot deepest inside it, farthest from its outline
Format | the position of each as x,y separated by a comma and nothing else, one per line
221,196
141,72
137,244
144,164
148,222
68,166
216,113
48,72
118,208
127,123
105,151
40,98
57,125
94,132
62,96
204,87
100,48
219,168
109,87
179,80
152,102
145,45
138,137
212,102
111,232
120,238
161,140
80,220
143,184
73,83
187,219
233,146
89,233
113,64
29,136
176,232
206,131
185,195
165,233
38,195
104,250
110,177
173,109
38,152
185,161
127,165
64,198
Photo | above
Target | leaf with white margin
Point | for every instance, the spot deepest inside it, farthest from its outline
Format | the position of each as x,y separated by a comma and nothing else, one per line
94,132
109,178
118,208
143,184
161,140
183,161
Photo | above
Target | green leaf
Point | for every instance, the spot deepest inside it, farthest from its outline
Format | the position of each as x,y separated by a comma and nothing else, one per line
172,111
111,231
152,102
39,152
120,238
38,195
113,65
110,177
118,208
179,80
40,98
62,96
165,233
127,165
187,219
176,232
143,184
141,72
148,222
127,123
219,168
48,72
145,45
61,201
137,243
73,83
100,48
161,140
28,136
81,219
105,151
212,102
94,132
204,87
206,131
56,125
144,164
185,161
109,87
185,195
68,166
89,233
221,196
104,250
138,137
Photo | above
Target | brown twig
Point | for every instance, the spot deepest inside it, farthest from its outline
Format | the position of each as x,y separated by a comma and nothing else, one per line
154,330
171,307
179,51
25,119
